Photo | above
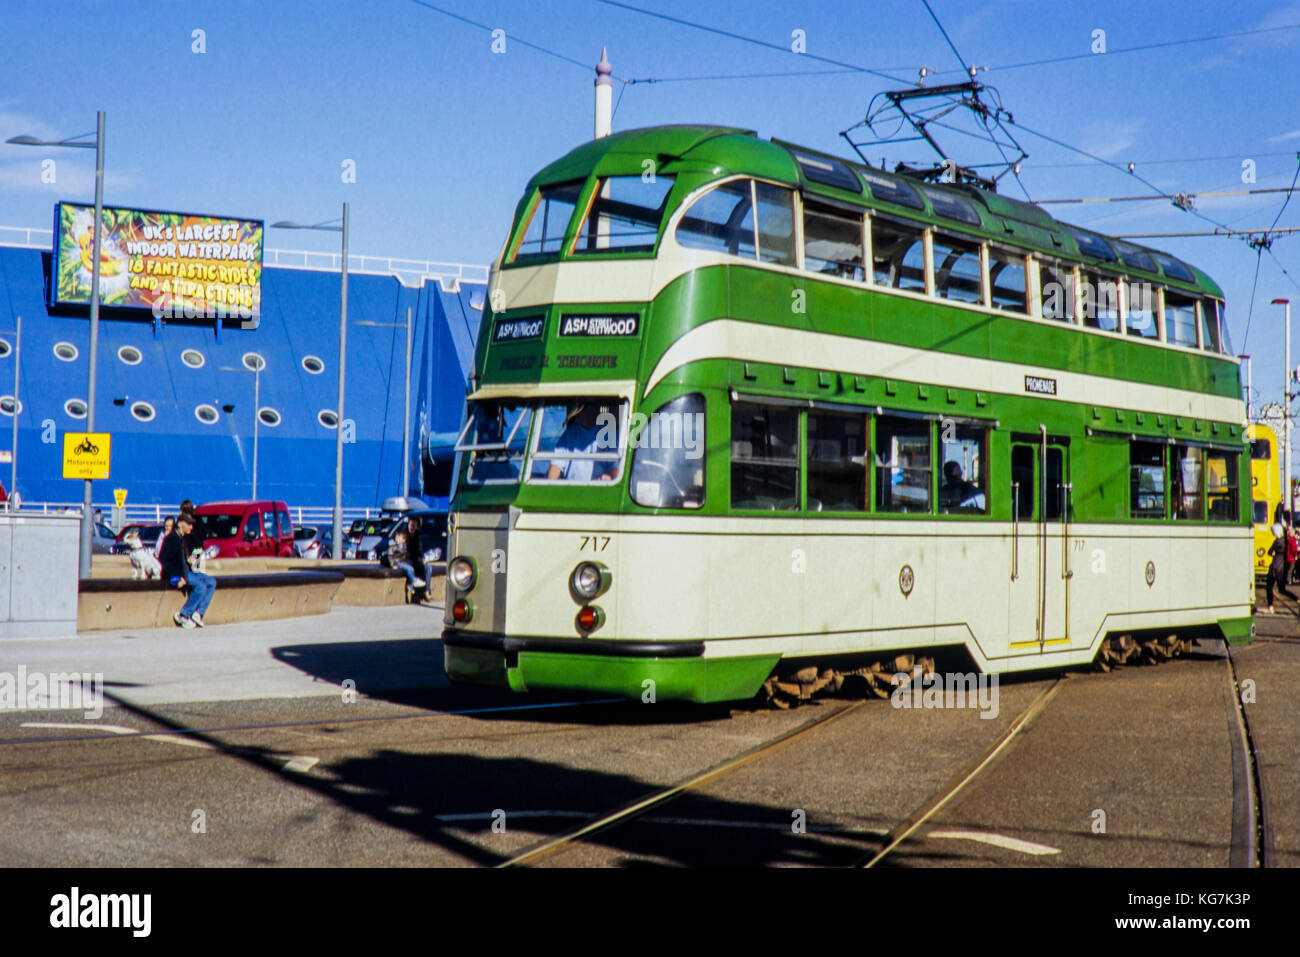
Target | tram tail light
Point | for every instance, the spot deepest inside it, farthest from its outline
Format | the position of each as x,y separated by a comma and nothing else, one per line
462,611
588,619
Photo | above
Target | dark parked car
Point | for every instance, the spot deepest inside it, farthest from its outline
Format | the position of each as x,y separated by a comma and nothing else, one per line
148,537
433,536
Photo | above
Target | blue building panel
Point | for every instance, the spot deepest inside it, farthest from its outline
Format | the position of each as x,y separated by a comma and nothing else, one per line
160,383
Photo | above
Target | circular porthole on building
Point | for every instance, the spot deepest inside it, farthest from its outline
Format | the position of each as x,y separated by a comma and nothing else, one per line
206,414
327,418
65,351
75,408
313,365
5,348
253,362
143,411
192,358
130,355
8,404
268,416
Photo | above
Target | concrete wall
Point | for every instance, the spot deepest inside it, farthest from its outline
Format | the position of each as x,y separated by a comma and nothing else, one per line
38,575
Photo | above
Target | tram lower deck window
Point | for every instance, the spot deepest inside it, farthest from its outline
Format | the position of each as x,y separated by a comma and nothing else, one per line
837,461
1221,485
1187,482
764,457
904,467
963,483
1146,480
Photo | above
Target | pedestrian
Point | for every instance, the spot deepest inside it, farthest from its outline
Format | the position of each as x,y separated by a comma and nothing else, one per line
1277,568
399,559
177,573
168,524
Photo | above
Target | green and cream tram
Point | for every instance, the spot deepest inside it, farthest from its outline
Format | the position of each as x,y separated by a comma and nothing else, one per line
740,406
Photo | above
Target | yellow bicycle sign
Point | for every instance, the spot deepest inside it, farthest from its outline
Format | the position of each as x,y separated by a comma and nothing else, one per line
86,455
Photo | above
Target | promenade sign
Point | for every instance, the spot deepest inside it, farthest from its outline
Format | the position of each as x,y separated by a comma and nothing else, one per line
175,265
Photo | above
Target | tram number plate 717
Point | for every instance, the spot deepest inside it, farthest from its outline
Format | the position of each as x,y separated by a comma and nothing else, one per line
594,543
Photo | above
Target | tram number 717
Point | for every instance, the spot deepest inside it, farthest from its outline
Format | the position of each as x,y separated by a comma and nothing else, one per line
597,543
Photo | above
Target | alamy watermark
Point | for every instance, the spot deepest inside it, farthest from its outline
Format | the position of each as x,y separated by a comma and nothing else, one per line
952,690
22,690
659,430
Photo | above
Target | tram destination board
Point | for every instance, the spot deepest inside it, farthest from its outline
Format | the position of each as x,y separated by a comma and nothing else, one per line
607,324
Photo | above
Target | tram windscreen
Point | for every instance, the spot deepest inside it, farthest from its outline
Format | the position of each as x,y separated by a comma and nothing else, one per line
578,441
494,438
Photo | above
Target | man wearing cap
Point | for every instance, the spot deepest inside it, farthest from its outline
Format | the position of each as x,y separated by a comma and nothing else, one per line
176,573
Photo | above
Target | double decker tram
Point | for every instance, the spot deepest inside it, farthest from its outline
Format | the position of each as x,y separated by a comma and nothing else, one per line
740,407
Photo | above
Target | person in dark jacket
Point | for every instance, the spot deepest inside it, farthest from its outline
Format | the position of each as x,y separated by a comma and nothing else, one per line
1277,569
177,573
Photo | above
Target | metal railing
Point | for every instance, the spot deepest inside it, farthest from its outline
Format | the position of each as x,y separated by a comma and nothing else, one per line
411,272
154,514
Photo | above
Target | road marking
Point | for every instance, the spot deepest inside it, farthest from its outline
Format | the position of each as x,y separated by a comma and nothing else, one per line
670,821
300,763
997,840
120,729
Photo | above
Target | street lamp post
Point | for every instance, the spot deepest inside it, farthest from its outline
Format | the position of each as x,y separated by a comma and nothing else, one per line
87,510
1287,495
343,346
406,408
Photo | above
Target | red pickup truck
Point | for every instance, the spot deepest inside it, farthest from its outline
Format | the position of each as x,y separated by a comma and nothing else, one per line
246,529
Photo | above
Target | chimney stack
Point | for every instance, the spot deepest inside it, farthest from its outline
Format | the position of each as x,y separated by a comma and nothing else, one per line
604,95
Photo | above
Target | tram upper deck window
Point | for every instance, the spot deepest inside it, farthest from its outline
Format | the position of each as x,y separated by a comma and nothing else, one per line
832,243
493,441
1210,327
1056,290
764,457
903,465
898,254
549,220
1140,309
1215,316
1180,319
1187,482
1146,480
1221,485
578,441
668,463
957,273
775,224
1134,256
1007,283
1091,244
891,190
722,220
951,206
837,461
1099,301
624,216
1173,268
963,484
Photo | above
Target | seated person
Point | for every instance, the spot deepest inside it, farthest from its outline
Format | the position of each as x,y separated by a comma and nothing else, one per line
399,558
583,433
956,492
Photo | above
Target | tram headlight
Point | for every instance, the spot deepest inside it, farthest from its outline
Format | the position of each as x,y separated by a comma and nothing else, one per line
588,580
461,573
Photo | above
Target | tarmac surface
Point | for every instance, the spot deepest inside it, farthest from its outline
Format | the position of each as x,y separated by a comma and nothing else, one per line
245,745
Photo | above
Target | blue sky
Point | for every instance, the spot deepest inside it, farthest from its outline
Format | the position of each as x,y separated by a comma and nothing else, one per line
444,132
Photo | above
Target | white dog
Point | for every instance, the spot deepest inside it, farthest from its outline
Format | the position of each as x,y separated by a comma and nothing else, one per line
143,563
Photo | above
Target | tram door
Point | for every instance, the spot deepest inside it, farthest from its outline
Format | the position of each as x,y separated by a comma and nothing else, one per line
1038,611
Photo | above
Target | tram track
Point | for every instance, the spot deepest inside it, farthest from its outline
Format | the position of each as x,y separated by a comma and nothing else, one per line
1252,833
930,808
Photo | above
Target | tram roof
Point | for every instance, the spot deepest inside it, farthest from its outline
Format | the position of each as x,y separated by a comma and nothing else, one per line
732,150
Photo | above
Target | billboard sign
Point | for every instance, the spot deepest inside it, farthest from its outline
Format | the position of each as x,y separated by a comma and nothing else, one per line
175,265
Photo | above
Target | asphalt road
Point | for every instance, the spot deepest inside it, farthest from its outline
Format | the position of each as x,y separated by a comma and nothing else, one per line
399,774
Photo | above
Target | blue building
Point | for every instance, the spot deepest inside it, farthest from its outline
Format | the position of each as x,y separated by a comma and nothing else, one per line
186,400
